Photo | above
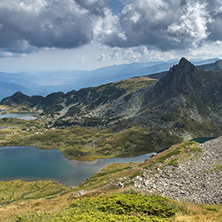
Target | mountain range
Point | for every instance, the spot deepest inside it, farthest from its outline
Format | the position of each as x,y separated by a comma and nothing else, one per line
45,82
184,104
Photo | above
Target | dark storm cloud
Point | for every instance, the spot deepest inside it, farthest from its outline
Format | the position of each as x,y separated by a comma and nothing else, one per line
167,24
29,24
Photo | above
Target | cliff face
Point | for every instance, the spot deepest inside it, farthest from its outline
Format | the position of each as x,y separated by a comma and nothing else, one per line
187,101
187,80
181,79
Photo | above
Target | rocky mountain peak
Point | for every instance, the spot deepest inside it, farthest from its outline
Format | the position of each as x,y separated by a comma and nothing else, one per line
18,94
178,80
17,98
219,63
185,67
184,62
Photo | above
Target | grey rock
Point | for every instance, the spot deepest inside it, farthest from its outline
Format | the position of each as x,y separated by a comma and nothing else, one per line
197,180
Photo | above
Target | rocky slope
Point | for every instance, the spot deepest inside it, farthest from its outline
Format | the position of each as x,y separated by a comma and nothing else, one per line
217,66
187,172
188,176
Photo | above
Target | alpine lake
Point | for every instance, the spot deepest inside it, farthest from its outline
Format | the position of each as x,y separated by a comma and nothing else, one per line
28,163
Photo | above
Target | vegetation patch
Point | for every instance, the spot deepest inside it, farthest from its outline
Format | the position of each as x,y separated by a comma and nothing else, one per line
210,208
14,191
174,155
129,204
110,173
81,143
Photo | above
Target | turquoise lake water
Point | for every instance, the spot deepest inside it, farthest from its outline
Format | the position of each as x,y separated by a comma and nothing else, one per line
29,163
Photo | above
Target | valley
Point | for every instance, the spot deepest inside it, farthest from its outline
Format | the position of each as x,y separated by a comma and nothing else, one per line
122,119
127,118
110,110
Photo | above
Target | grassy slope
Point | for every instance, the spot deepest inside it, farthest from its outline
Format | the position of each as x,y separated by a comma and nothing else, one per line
132,84
103,201
16,109
16,191
122,205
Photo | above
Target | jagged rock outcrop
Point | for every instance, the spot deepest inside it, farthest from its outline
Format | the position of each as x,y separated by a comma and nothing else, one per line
217,66
187,102
181,79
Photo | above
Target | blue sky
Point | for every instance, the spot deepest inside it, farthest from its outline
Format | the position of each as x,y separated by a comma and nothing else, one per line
116,6
89,34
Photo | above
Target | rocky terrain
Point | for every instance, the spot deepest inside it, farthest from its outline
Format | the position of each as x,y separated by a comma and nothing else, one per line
187,172
193,178
216,66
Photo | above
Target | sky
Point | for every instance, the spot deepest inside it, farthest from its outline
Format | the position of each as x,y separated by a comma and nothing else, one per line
89,34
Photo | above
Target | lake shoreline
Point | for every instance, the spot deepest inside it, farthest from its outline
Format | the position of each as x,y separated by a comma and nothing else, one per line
31,164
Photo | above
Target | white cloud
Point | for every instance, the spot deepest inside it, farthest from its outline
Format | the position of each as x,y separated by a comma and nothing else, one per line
143,26
192,25
102,57
167,24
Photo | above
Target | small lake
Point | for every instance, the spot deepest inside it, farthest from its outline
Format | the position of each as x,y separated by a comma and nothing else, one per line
25,116
203,139
29,163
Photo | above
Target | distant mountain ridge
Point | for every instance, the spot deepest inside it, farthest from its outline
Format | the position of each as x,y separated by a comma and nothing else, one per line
217,66
186,103
92,106
7,89
45,82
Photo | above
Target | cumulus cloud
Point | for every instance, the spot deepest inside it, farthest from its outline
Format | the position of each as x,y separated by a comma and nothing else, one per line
9,54
102,57
167,24
118,55
26,25
131,54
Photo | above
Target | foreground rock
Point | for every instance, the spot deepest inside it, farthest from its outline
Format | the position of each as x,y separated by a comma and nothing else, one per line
190,176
